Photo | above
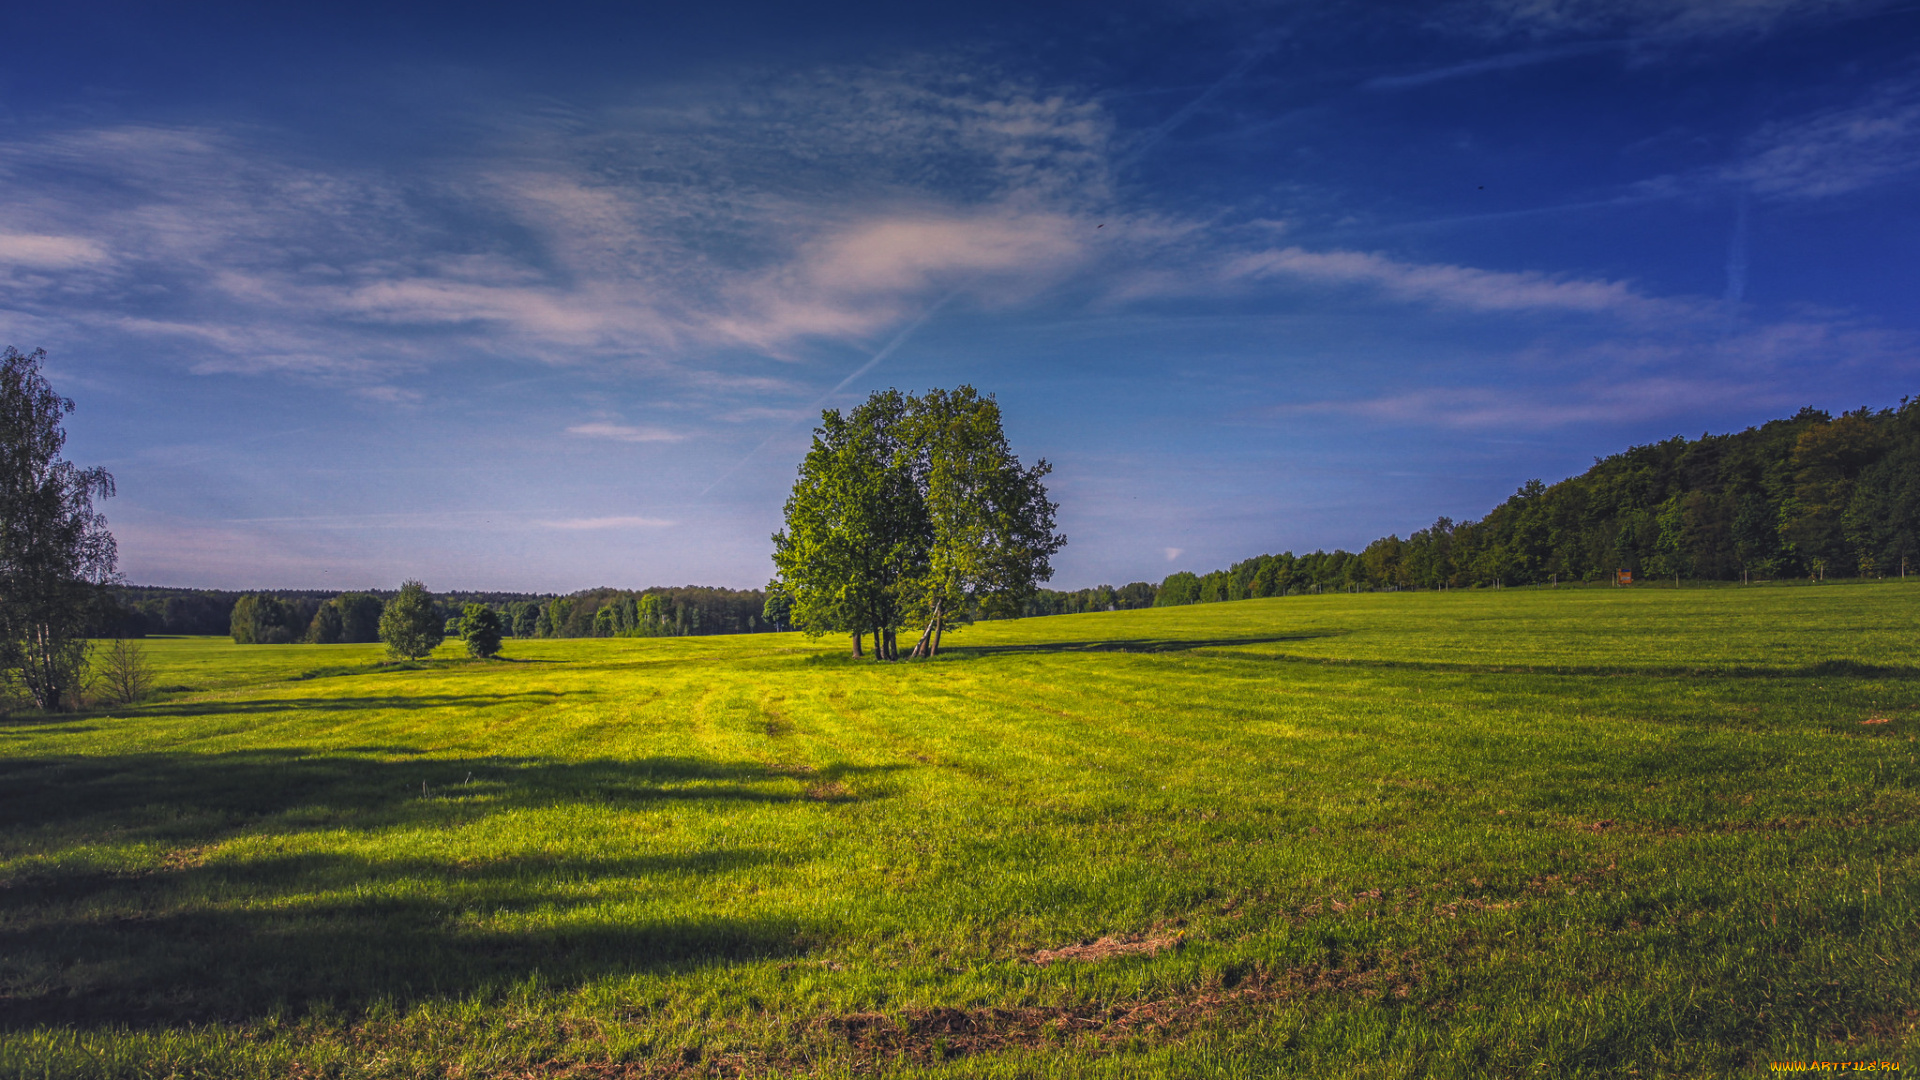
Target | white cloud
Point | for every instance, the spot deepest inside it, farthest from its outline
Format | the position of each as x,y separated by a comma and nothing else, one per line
50,252
624,433
1174,553
859,279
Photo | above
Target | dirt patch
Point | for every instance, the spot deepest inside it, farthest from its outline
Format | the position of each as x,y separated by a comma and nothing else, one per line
830,791
1106,948
879,1041
927,1035
185,858
777,721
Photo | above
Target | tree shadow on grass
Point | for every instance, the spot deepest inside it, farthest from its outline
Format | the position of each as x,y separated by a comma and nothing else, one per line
199,935
151,949
1134,645
177,797
342,704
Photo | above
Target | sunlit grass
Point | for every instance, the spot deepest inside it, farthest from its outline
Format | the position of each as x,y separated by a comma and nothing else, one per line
1525,832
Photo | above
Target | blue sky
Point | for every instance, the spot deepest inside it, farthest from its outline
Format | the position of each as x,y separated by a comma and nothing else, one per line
544,297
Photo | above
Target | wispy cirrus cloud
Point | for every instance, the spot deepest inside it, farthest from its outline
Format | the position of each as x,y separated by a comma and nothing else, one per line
815,206
1656,19
1633,379
624,433
1616,400
1462,287
1835,151
1506,61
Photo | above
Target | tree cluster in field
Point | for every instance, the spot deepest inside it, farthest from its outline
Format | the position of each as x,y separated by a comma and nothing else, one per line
1813,495
911,511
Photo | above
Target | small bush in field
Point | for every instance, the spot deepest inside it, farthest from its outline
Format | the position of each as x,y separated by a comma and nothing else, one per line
480,629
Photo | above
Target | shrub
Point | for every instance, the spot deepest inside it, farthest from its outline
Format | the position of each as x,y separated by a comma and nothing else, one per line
410,625
480,628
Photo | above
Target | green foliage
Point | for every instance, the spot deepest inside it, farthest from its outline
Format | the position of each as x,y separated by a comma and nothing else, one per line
1808,496
327,628
359,617
1137,594
1445,835
55,551
912,509
1179,588
480,629
778,609
265,619
855,525
658,612
522,619
411,624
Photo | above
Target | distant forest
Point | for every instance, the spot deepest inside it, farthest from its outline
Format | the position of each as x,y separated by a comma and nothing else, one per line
1813,495
1810,496
304,615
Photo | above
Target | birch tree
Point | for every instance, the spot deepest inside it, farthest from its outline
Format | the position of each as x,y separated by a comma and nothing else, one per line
55,551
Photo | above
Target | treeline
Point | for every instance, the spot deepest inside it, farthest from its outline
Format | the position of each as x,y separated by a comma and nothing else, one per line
1813,496
139,610
658,612
318,617
1138,594
1266,575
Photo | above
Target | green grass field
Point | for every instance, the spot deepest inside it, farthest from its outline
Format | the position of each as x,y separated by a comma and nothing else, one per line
1520,833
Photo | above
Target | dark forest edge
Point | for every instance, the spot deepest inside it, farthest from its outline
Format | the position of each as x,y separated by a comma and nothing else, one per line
1809,496
308,616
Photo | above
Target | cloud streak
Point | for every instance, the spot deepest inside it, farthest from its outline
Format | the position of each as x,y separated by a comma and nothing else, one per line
1670,20
624,433
1458,287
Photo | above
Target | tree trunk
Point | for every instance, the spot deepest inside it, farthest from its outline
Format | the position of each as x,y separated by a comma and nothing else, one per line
856,644
893,646
920,647
879,643
939,624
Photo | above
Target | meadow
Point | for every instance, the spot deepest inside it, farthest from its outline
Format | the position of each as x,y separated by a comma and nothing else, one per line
1602,832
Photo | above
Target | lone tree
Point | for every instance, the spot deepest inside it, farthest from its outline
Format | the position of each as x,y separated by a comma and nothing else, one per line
410,625
480,629
912,508
55,551
125,672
